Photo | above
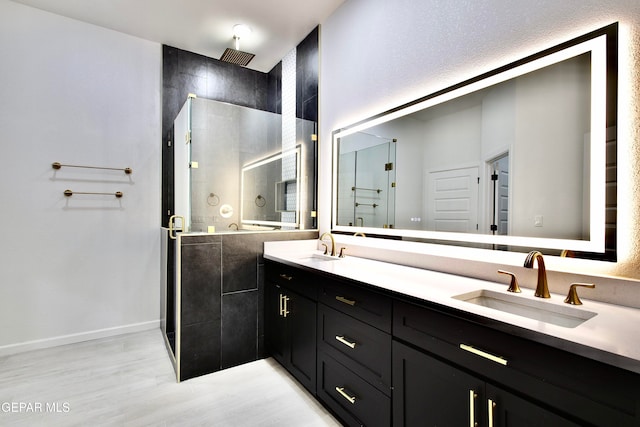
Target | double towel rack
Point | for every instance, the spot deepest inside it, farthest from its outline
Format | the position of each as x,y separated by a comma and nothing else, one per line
69,193
58,165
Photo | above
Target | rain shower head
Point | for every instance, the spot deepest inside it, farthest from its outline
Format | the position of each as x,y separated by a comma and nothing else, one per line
237,57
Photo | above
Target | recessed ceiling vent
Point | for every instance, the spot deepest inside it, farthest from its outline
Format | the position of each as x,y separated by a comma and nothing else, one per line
237,57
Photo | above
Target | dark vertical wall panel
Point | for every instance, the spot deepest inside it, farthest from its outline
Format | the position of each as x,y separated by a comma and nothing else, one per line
239,328
240,262
274,89
307,64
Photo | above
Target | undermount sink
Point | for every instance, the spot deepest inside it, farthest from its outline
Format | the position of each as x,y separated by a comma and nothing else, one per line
319,257
568,317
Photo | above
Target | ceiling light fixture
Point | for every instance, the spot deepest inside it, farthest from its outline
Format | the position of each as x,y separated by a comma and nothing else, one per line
240,30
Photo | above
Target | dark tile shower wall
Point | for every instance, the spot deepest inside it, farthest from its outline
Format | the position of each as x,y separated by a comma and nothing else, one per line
222,311
186,72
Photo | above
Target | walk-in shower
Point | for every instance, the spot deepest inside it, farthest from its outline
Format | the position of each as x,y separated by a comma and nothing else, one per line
237,183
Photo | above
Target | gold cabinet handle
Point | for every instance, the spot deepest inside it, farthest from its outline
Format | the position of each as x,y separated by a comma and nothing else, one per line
351,399
345,341
472,408
491,406
345,300
484,354
285,277
283,305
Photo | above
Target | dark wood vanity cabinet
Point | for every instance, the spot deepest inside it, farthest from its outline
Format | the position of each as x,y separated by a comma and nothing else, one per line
377,358
290,321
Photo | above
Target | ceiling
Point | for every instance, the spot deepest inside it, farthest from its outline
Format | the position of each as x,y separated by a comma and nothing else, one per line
204,26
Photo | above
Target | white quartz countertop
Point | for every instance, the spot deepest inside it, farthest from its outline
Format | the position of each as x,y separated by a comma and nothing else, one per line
610,336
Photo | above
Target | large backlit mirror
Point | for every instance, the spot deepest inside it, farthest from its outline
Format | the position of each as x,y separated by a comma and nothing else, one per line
521,157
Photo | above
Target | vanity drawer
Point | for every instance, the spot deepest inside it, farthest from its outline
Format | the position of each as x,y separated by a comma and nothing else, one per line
354,401
362,348
363,304
293,278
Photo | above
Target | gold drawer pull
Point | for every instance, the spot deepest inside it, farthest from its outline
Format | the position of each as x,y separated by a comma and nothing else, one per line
484,354
285,277
345,300
345,342
351,399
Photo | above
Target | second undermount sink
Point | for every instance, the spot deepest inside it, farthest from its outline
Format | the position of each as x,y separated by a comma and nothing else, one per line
319,257
568,317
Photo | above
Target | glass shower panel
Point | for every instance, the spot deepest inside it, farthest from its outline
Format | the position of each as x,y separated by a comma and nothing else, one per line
225,137
182,160
215,142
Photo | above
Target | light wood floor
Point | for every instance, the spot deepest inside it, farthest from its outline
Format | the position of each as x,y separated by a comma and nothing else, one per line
129,381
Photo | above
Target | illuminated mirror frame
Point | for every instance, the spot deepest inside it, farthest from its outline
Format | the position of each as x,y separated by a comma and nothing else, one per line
297,152
602,44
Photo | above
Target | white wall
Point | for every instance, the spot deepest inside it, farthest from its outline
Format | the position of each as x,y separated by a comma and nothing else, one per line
376,55
85,266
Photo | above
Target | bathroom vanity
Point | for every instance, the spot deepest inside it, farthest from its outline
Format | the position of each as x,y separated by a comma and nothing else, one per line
396,345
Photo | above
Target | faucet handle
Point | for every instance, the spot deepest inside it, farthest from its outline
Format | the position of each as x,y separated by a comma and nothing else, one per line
326,248
572,297
513,286
342,255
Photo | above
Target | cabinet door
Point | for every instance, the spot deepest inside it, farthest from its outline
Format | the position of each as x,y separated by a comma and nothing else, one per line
301,321
428,392
505,409
275,323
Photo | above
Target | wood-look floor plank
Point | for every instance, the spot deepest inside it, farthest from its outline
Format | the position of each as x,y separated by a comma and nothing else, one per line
129,381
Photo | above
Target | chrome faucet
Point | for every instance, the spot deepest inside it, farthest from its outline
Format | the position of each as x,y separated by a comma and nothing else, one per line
542,288
233,224
333,244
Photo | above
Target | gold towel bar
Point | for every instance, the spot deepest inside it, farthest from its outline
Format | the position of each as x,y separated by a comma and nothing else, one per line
70,193
58,165
377,190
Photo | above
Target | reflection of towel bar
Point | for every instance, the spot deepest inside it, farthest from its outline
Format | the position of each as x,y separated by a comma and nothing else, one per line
377,190
70,193
365,204
57,165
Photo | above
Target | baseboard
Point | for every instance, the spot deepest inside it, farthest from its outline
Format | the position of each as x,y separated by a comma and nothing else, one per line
79,337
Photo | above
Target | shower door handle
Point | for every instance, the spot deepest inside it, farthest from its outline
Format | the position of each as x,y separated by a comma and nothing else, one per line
172,228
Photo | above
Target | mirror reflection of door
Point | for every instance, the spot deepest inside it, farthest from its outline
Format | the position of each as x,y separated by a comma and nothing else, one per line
452,200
